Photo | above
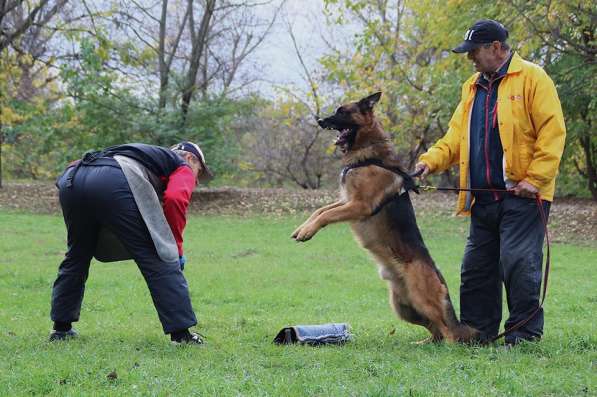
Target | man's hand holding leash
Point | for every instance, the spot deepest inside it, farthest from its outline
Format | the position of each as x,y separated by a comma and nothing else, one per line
525,189
421,170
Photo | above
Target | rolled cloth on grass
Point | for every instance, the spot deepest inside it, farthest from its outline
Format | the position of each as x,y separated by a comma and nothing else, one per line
320,334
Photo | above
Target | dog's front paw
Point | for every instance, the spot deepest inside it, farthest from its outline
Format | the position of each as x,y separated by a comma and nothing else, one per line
304,233
296,231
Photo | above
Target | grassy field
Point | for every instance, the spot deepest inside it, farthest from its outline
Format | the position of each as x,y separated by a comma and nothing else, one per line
248,279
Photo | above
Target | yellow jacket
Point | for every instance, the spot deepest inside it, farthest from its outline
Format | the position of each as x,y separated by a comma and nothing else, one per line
531,126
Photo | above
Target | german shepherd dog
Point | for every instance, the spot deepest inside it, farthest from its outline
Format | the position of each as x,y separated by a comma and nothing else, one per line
374,199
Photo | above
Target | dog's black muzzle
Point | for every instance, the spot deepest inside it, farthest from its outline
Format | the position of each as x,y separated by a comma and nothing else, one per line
326,123
336,123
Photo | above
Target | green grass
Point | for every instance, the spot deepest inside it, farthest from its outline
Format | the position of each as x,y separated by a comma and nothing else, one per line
248,279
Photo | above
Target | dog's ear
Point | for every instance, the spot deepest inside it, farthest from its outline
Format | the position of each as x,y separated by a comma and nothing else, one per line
366,104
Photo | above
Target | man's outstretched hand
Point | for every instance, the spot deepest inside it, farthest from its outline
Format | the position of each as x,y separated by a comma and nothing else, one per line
423,169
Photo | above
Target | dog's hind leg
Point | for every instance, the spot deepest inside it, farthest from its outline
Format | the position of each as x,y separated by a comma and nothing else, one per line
429,296
462,332
407,312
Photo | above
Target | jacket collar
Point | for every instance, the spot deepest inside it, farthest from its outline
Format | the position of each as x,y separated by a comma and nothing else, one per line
515,67
515,64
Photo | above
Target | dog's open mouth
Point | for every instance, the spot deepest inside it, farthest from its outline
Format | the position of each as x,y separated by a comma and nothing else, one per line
343,138
346,131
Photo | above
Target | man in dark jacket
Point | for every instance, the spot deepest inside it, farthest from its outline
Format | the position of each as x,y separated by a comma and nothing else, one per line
138,194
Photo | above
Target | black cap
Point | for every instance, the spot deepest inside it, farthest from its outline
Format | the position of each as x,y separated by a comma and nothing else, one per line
482,32
194,149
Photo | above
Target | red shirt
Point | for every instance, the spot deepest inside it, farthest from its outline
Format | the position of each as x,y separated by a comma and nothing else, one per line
176,199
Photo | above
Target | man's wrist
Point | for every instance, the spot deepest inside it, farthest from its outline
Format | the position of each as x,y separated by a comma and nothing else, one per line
531,182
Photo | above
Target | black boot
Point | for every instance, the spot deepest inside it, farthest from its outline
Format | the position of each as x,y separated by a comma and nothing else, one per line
62,331
185,337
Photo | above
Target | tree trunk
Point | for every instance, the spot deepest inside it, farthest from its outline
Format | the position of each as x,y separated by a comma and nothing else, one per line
165,60
198,45
162,57
591,167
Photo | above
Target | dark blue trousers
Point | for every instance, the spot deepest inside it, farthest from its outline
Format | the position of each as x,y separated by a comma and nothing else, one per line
101,197
504,247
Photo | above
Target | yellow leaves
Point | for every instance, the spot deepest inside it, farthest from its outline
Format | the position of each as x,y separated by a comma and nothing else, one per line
73,122
103,53
26,59
286,108
9,117
245,166
147,54
357,57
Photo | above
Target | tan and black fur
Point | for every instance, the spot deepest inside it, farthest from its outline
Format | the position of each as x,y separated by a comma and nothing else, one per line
374,199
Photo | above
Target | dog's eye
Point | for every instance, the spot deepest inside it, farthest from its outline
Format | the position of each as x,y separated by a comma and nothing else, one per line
340,110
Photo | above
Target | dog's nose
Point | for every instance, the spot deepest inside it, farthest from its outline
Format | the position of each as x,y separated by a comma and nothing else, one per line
321,122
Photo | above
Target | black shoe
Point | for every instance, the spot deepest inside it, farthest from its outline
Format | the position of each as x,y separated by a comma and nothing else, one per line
190,338
63,335
512,342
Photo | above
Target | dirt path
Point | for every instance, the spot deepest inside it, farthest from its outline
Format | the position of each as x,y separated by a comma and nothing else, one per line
571,220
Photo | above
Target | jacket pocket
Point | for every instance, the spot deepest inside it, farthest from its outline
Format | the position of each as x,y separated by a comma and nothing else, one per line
525,158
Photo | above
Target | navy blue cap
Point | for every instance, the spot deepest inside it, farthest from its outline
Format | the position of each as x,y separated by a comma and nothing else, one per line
482,32
194,149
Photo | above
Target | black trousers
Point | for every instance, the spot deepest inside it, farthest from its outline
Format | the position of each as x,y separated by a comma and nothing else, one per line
504,246
101,197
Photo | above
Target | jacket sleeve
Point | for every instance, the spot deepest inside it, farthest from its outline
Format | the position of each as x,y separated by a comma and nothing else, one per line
446,150
548,121
177,197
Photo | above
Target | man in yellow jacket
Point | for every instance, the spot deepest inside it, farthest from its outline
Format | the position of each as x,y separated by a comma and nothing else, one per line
507,132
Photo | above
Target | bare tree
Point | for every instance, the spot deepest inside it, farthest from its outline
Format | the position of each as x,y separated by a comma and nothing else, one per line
165,56
16,18
198,40
200,46
237,33
283,150
290,146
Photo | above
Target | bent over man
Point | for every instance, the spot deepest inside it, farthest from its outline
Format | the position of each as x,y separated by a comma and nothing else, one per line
506,133
123,202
